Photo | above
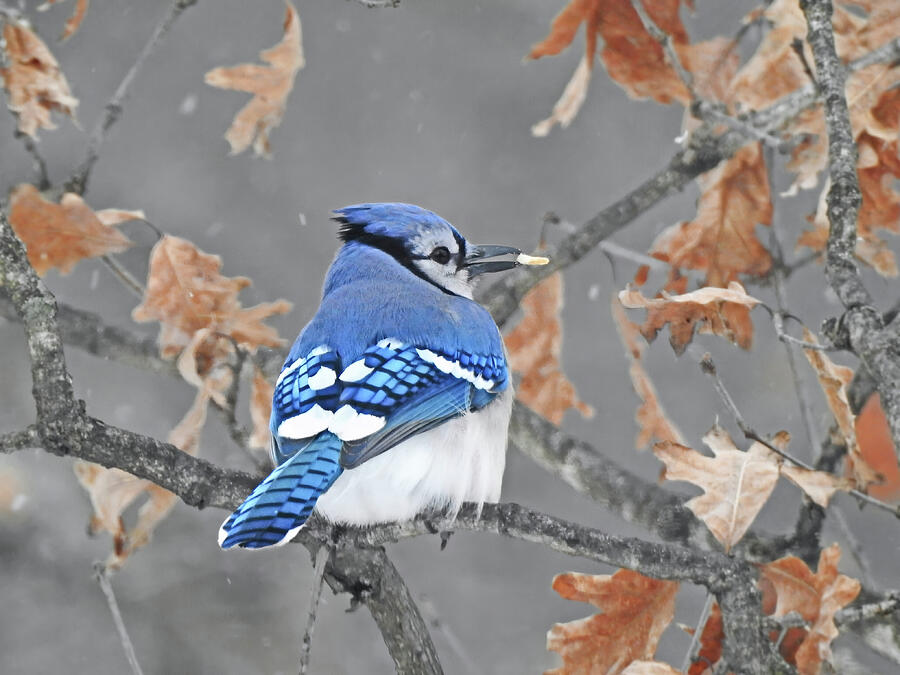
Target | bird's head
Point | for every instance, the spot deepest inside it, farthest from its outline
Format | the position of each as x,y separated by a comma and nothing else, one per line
426,244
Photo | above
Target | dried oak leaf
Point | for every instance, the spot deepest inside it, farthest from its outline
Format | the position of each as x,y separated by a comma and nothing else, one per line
73,23
59,235
650,668
720,311
112,491
788,585
721,241
818,485
873,435
653,423
834,380
260,409
270,85
736,484
34,83
535,345
635,612
186,292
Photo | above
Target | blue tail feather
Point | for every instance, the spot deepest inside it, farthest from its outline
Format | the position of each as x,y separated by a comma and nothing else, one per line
280,505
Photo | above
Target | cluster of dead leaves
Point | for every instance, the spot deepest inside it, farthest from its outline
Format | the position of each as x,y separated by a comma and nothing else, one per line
636,610
202,324
535,346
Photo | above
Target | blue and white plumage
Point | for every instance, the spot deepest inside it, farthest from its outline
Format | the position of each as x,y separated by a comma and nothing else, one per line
396,397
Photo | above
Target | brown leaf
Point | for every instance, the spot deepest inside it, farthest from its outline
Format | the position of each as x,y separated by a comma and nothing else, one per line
260,410
186,292
34,83
650,668
632,56
789,585
818,485
636,610
112,491
59,235
721,241
873,435
653,423
714,310
834,380
736,484
535,345
12,492
270,85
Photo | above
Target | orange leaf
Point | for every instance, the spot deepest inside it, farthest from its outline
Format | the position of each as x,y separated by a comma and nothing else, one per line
632,56
789,585
834,380
736,484
270,85
73,23
59,235
877,449
636,610
720,311
34,83
260,410
186,292
721,241
653,424
535,345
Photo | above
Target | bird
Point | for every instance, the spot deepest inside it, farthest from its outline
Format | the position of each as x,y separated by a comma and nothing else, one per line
396,396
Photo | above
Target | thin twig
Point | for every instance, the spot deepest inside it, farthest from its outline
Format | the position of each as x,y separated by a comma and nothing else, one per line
890,604
379,4
113,109
314,597
40,165
101,575
698,632
665,41
709,368
127,278
19,440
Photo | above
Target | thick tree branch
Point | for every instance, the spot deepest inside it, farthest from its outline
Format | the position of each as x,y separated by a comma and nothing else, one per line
861,327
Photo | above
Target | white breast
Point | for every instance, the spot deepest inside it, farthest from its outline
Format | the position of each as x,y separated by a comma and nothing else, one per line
459,461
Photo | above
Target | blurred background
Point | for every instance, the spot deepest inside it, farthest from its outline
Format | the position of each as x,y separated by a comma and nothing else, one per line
430,103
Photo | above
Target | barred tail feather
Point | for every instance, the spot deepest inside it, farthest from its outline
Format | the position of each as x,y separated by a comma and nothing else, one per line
279,506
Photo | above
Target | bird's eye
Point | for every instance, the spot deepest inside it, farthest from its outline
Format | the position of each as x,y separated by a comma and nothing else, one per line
440,255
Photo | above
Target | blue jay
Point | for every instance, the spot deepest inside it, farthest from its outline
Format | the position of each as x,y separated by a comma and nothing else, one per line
396,397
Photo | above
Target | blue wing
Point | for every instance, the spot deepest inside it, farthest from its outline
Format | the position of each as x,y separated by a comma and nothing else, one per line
327,417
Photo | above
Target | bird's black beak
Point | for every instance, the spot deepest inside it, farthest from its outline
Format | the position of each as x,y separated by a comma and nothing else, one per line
476,264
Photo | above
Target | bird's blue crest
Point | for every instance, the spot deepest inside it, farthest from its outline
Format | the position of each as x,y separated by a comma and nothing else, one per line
389,219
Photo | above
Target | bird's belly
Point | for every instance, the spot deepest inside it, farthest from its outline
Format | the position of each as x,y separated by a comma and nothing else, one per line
459,461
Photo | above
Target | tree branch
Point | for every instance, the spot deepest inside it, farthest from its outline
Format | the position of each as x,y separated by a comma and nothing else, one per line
861,327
